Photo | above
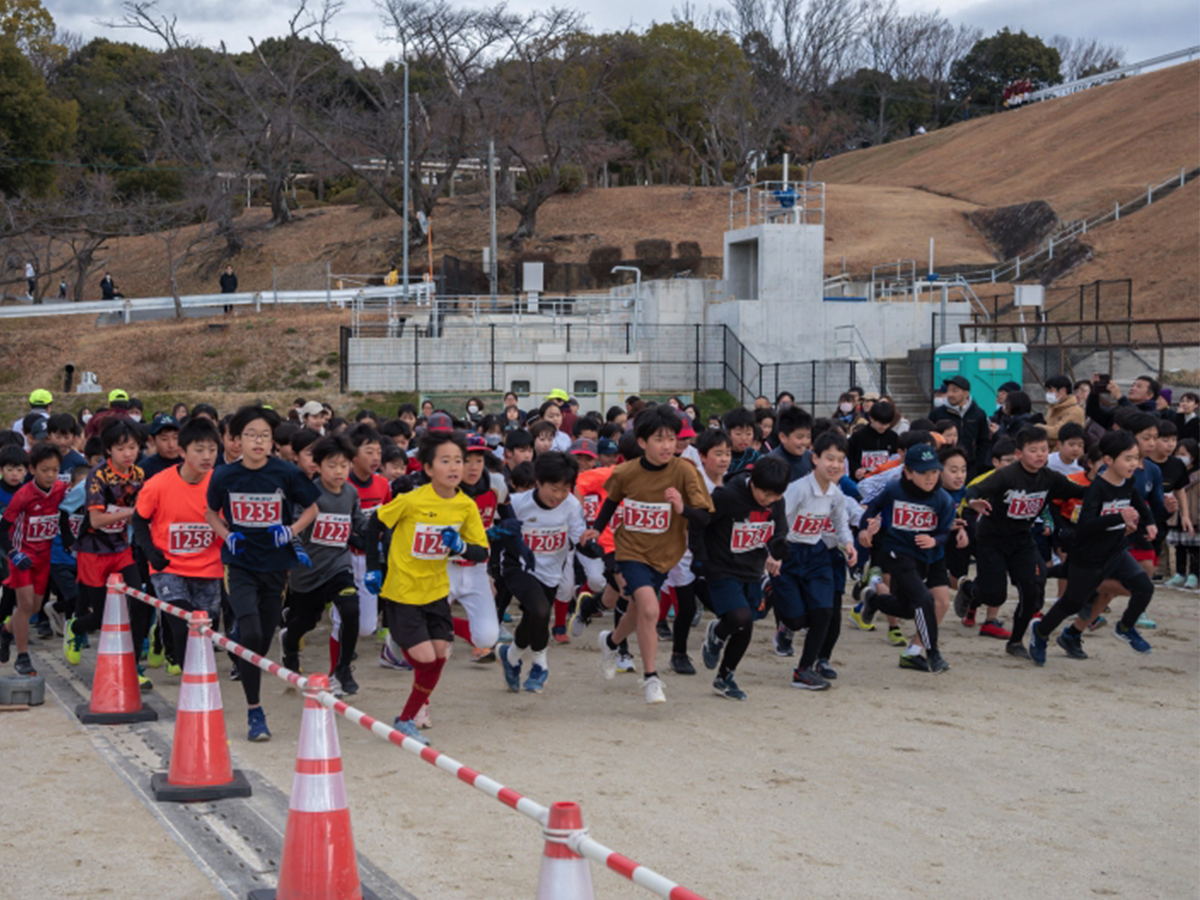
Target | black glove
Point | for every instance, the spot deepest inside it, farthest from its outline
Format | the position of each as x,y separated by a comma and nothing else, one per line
157,558
591,550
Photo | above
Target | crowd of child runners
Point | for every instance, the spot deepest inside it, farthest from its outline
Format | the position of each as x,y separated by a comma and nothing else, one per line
553,517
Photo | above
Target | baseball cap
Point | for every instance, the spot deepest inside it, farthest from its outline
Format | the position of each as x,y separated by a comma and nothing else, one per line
606,447
558,394
41,397
687,431
440,421
161,423
922,458
959,382
584,447
118,396
475,442
1009,387
39,430
311,408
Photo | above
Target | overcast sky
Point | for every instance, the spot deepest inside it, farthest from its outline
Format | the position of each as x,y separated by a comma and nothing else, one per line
1146,29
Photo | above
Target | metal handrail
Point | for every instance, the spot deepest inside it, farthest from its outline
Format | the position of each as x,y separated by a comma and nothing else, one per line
858,344
777,203
1082,84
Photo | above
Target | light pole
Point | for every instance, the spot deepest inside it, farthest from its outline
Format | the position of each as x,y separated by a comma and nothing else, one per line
406,179
637,298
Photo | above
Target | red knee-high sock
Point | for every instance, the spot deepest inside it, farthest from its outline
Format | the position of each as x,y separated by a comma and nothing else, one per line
462,629
425,679
666,601
560,614
335,653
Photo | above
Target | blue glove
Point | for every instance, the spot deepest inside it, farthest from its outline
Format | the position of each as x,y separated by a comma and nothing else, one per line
453,541
373,581
504,530
20,560
235,542
281,535
303,557
528,560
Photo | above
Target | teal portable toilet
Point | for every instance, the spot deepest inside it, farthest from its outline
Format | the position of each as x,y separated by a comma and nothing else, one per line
986,366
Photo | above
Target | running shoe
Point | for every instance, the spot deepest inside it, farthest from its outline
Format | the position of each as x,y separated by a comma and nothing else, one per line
560,634
969,619
71,643
727,687
154,658
578,623
1145,622
1071,644
856,619
994,628
512,673
335,686
505,636
608,657
1016,649
698,616
6,642
866,610
388,660
422,719
236,674
257,720
536,681
681,664
809,680
1099,622
58,620
664,631
24,666
44,631
1192,583
345,678
914,661
963,598
654,690
1175,581
825,670
507,617
409,730
710,649
1131,637
291,660
174,669
144,683
381,635
896,637
625,663
1037,646
937,662
783,641
483,654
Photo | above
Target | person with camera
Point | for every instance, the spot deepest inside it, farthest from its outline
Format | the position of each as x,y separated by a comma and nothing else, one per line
1143,394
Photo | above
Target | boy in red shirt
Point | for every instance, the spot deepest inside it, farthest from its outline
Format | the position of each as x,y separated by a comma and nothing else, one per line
27,530
373,492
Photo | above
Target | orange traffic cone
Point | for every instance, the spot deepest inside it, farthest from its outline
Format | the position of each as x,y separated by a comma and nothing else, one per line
116,699
200,765
565,874
318,861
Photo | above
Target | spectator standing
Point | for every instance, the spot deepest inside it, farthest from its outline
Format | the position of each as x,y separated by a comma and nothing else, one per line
229,285
973,431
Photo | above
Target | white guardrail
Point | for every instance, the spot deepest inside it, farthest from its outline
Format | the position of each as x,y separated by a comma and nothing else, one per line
129,306
1082,84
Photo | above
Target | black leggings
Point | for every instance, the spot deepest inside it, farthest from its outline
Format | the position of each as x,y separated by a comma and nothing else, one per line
910,598
1187,558
817,622
685,611
305,608
834,631
1081,588
89,610
537,603
735,629
256,599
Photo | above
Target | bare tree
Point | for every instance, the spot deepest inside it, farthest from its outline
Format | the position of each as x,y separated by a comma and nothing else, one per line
1082,57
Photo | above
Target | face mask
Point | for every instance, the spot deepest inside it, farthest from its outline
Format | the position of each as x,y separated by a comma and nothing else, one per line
136,416
493,440
472,409
1051,397
1187,461
846,407
940,401
86,417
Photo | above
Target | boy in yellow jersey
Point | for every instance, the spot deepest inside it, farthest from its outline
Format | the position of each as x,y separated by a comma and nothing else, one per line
429,525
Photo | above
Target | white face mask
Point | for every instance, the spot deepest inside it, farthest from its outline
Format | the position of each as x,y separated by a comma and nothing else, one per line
940,401
846,407
136,416
1051,397
86,417
472,409
1187,461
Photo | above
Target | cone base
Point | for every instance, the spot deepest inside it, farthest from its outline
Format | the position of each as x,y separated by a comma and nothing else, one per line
269,894
165,792
85,715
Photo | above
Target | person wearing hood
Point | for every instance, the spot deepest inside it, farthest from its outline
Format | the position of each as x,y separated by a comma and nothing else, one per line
1061,406
973,431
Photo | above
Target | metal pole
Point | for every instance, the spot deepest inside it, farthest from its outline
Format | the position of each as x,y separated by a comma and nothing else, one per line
945,300
406,179
493,266
930,256
328,290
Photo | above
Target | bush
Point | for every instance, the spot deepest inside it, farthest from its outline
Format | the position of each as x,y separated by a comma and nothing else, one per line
344,197
688,252
653,250
570,178
165,184
600,263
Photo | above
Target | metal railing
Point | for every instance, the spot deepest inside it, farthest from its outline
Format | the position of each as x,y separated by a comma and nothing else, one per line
849,344
1082,84
777,203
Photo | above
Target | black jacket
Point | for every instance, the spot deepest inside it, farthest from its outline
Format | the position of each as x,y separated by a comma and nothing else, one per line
228,283
974,436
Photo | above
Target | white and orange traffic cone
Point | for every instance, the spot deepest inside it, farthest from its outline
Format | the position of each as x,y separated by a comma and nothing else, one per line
116,698
200,765
318,861
565,874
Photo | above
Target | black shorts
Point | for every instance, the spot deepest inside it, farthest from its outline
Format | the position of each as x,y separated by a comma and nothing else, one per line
409,624
933,574
957,561
999,559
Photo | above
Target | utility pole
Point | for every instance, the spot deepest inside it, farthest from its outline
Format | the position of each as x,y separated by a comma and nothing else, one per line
406,180
493,263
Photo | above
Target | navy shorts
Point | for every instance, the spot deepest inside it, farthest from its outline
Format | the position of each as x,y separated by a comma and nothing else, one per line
728,594
837,560
638,574
805,582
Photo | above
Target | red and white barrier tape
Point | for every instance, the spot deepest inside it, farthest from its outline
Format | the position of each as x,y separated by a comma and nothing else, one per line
579,841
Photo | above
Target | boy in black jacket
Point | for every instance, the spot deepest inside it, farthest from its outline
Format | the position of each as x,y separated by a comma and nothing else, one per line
1111,513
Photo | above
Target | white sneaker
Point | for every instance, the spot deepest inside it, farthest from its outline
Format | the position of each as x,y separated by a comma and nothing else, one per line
608,658
625,662
654,690
335,687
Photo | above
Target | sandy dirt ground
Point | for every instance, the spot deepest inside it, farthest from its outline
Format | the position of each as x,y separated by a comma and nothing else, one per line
992,781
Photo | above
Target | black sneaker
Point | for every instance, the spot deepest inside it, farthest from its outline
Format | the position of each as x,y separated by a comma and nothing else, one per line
664,631
1072,645
710,650
1017,649
867,613
808,680
44,631
236,674
345,678
292,661
916,663
681,664
6,639
963,598
937,662
727,687
825,670
783,641
24,665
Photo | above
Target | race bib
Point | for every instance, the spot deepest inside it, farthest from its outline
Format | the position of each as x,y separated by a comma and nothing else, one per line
114,527
331,529
189,537
544,541
873,458
913,517
646,518
75,522
41,528
1025,506
427,542
747,536
811,525
256,510
591,507
488,514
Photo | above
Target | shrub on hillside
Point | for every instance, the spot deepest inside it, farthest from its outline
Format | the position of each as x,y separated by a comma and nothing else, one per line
652,250
688,253
570,178
600,262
